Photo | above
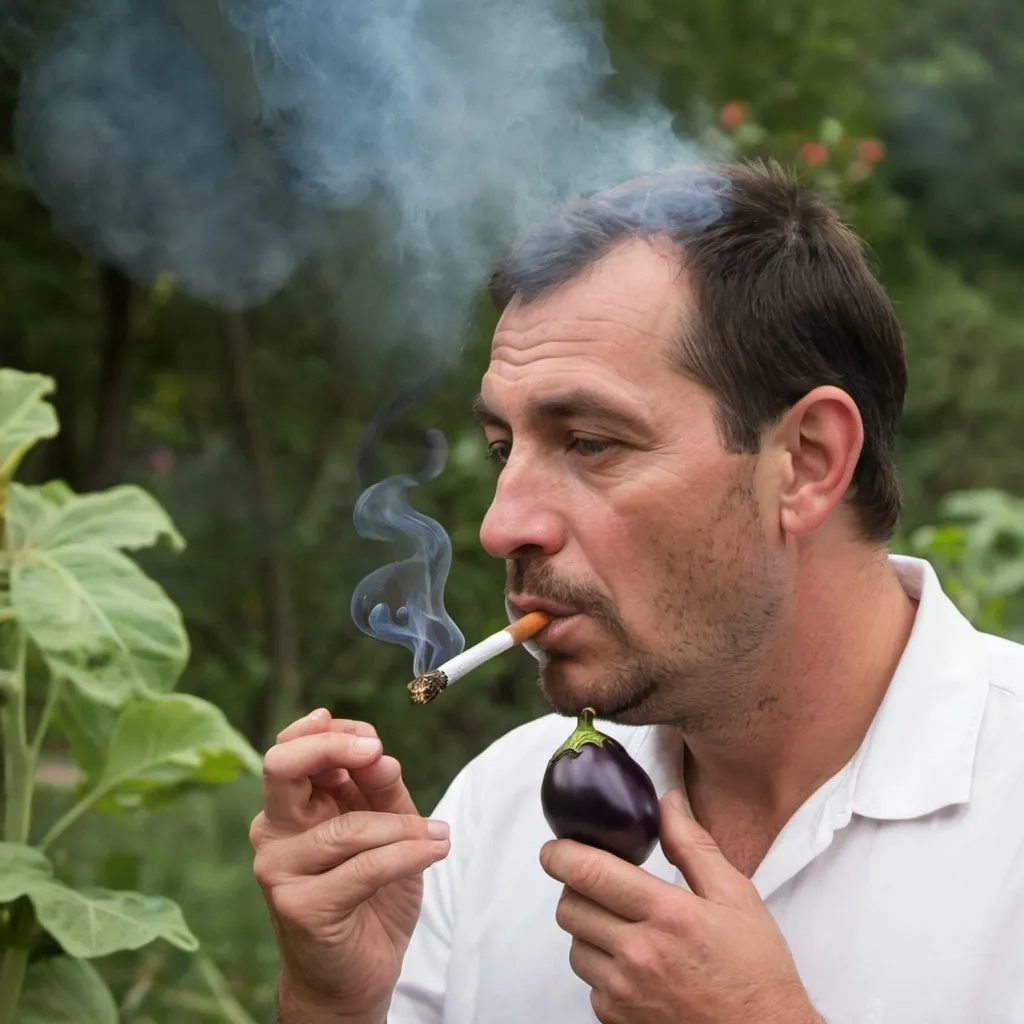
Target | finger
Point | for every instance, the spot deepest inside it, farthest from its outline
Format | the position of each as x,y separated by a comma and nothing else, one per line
336,785
315,721
339,782
620,887
329,778
340,839
335,893
339,786
383,787
288,768
321,721
705,868
588,921
590,964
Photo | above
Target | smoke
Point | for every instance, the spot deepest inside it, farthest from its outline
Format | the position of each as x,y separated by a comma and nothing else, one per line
222,144
413,586
128,136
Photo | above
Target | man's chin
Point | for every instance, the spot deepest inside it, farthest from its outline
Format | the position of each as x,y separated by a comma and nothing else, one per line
569,687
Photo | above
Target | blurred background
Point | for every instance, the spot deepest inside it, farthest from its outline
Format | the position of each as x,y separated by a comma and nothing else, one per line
229,342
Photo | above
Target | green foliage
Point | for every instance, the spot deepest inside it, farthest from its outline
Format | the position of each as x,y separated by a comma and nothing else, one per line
977,549
88,923
107,638
24,419
62,990
98,620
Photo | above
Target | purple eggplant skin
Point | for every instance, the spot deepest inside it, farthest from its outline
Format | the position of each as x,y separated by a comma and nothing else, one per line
595,793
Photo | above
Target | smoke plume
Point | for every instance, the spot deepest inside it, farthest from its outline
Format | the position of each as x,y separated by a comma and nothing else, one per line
220,144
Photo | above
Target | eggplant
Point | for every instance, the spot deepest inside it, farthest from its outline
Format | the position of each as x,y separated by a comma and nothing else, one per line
595,793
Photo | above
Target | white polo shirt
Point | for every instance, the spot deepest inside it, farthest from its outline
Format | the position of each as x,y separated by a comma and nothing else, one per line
899,884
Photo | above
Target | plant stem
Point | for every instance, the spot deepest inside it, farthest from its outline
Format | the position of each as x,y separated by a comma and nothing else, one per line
230,1008
18,767
12,980
19,779
64,823
52,694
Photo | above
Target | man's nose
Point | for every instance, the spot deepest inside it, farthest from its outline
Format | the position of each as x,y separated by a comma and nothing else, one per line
524,517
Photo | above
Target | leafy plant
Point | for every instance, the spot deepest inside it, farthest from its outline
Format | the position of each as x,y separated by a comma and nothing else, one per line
977,549
95,647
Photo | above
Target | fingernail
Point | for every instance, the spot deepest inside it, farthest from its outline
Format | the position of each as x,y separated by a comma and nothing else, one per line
318,714
438,829
366,745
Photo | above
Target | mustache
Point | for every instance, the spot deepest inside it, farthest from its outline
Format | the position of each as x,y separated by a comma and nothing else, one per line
539,580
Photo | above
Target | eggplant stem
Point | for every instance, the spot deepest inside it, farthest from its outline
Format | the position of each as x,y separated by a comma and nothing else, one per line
584,733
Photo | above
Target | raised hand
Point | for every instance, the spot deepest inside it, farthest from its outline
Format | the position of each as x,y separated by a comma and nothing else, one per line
340,851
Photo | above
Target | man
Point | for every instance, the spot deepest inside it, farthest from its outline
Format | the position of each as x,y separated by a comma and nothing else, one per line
693,395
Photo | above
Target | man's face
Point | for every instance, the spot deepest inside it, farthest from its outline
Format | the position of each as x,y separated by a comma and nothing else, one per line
617,503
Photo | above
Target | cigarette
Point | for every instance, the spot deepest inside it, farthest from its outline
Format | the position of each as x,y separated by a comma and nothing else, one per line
423,689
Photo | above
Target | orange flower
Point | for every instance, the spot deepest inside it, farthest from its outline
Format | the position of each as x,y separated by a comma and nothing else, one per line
814,154
732,115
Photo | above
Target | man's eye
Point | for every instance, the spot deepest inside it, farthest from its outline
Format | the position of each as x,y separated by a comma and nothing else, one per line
498,451
587,447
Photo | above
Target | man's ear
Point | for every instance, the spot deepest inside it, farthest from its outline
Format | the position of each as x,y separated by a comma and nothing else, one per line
821,438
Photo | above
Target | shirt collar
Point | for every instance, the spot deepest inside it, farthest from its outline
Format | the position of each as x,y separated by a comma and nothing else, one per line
918,755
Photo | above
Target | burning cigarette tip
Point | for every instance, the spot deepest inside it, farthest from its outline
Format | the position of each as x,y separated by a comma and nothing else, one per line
423,689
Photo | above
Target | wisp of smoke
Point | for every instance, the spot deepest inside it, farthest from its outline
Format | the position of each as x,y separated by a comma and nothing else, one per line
404,602
216,143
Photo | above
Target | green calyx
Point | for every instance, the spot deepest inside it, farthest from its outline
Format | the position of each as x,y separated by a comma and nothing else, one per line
585,733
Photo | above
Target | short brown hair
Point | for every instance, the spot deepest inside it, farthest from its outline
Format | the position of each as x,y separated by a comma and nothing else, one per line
785,302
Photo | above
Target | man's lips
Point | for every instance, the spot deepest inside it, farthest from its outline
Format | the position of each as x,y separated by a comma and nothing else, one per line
563,618
522,605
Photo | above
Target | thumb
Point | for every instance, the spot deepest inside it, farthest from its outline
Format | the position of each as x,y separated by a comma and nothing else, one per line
693,850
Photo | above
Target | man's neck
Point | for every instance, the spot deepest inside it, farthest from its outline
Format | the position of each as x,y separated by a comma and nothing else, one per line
815,697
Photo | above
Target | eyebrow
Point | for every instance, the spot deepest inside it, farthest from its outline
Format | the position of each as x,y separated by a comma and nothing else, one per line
577,404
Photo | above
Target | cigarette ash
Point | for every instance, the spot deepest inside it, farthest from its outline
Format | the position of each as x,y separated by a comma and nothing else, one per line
423,689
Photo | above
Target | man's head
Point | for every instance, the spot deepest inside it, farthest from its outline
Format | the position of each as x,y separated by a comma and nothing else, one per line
695,380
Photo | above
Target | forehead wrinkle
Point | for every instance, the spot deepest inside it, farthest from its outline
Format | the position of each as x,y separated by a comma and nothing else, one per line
518,347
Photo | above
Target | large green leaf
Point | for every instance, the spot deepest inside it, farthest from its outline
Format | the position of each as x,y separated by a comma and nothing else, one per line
89,922
97,619
61,990
173,738
123,517
144,753
97,922
24,416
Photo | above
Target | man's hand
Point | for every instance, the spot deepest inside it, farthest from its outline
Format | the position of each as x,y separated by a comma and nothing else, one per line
655,953
340,852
